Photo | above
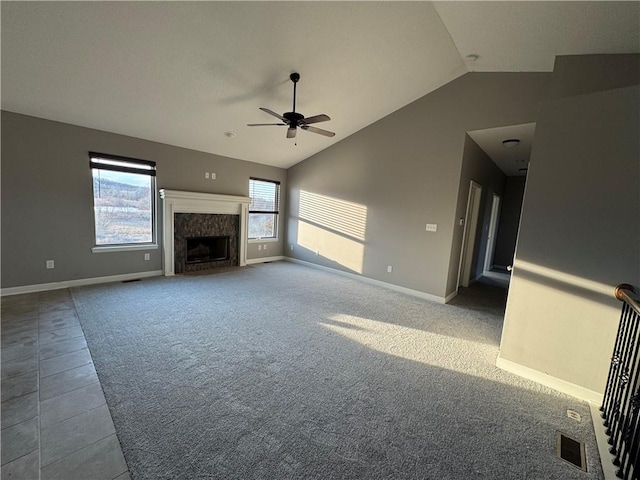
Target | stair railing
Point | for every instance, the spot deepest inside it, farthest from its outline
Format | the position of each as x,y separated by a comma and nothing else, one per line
621,406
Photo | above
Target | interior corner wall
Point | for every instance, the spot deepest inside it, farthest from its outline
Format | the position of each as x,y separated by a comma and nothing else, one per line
510,209
395,176
579,235
47,199
476,166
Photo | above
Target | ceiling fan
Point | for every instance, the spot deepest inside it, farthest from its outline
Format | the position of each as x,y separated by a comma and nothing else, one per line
294,119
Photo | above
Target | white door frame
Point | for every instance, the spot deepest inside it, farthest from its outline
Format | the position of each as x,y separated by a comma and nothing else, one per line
493,230
469,236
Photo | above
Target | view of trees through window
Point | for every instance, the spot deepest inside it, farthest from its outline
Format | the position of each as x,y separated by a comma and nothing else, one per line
262,225
263,209
123,207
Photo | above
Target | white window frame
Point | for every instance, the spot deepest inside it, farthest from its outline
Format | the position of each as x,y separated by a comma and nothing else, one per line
275,212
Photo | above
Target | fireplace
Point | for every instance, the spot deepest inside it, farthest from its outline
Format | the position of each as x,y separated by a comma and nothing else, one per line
206,215
207,249
204,241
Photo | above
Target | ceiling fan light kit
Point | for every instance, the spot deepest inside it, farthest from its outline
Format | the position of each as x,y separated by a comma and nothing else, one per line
293,119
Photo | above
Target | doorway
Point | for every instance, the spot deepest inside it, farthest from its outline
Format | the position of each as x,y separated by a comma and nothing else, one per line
466,269
492,234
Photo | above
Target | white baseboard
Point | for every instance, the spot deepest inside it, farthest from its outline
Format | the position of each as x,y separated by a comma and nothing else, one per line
451,296
379,283
549,381
252,261
606,458
43,287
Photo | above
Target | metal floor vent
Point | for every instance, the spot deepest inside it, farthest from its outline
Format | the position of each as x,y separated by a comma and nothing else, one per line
571,451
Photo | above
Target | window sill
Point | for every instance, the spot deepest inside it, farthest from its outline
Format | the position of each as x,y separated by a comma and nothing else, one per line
263,240
124,248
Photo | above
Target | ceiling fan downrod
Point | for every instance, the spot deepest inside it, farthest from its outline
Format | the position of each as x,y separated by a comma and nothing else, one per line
294,78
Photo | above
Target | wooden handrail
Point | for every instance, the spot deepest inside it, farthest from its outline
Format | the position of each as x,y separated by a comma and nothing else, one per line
626,293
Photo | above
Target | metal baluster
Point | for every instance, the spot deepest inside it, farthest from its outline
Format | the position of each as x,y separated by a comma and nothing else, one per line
616,368
629,431
613,370
630,458
625,406
621,404
622,384
635,452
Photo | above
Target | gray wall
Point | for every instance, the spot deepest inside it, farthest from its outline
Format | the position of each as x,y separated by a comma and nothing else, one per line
476,166
580,228
509,221
401,173
47,205
582,74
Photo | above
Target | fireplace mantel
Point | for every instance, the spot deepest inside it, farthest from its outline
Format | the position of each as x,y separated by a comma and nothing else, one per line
175,201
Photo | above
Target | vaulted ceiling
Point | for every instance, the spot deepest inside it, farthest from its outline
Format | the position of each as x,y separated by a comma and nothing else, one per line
185,73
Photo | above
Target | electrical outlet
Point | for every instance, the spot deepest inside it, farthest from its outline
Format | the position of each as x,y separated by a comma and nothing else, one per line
389,268
50,264
264,247
147,256
206,175
291,246
213,176
259,247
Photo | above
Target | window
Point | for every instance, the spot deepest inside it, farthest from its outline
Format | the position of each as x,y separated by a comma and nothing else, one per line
123,200
263,208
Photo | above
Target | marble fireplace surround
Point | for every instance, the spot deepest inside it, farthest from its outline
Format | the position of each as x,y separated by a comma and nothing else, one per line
175,201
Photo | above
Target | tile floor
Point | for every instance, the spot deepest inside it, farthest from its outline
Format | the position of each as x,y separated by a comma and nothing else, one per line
54,418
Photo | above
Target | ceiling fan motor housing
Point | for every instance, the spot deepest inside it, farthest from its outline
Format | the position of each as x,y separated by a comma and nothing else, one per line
293,117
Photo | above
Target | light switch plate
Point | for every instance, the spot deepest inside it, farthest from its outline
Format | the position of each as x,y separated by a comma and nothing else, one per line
432,227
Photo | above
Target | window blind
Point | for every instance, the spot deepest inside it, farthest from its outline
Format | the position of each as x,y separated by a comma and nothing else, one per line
116,163
265,196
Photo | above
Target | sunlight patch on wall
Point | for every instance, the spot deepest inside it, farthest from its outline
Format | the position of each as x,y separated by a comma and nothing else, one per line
340,249
340,216
332,228
562,282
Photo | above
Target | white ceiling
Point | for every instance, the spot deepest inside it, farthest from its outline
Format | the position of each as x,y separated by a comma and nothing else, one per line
521,36
512,160
184,73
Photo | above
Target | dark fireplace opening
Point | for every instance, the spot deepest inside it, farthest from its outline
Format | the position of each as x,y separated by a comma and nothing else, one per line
207,249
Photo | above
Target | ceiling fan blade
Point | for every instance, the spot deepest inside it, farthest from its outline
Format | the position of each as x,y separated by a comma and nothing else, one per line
263,124
316,119
291,132
277,115
326,133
